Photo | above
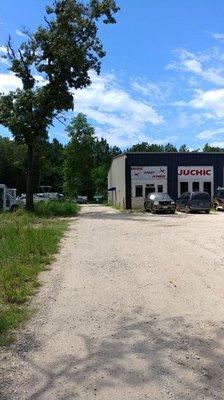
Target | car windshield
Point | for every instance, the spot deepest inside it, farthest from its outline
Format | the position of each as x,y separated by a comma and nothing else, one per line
160,196
200,196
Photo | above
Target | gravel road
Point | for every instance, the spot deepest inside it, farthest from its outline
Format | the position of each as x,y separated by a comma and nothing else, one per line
132,309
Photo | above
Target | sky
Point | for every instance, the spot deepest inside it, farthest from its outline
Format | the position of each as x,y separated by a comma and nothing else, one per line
162,79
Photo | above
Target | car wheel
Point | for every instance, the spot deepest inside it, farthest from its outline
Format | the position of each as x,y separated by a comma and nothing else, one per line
187,210
153,210
207,211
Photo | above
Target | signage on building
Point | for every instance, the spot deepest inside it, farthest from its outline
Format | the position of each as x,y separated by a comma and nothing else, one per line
148,173
195,172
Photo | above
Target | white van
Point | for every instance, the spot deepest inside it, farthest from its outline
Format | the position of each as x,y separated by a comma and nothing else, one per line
7,201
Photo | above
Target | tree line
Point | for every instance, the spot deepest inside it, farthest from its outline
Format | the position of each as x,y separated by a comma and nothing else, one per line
77,168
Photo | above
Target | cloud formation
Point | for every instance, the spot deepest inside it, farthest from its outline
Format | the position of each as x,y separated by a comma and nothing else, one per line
200,65
218,36
117,114
210,133
9,82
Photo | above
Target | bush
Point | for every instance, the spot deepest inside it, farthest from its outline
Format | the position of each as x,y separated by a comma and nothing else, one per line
54,208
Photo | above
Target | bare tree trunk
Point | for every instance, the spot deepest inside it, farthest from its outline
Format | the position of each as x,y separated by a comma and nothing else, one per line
29,180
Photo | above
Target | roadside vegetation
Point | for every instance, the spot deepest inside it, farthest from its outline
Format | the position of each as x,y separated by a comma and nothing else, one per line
28,242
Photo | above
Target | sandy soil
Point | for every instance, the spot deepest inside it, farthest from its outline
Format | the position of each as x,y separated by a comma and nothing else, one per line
132,309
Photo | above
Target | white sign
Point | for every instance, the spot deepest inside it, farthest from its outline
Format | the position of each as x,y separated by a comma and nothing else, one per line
148,173
195,173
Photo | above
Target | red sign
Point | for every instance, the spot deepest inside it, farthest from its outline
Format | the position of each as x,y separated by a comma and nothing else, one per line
195,172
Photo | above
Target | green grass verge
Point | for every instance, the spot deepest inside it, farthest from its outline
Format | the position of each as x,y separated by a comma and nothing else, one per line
56,208
27,244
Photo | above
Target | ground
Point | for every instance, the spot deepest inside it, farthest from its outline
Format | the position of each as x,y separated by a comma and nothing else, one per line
132,309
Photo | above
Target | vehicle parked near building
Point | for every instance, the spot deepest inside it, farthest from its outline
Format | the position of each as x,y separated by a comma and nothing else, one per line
218,199
81,199
194,202
98,199
159,202
37,197
12,192
7,201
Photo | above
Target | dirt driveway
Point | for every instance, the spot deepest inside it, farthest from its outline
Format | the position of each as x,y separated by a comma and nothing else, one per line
132,309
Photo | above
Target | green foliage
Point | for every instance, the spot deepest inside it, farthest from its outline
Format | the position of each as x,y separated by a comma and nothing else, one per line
56,208
47,170
79,158
212,149
146,147
26,246
12,164
169,148
87,160
183,149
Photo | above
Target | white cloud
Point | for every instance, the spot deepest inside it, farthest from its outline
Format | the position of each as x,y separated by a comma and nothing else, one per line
209,133
218,36
210,100
147,89
3,49
119,116
20,33
9,82
198,64
193,65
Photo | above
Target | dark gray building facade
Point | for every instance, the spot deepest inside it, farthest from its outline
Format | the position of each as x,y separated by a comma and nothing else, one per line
134,175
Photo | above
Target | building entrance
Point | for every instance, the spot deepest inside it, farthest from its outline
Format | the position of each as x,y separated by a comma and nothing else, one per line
192,179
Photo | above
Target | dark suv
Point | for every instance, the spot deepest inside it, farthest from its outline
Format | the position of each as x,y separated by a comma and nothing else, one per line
155,202
218,199
194,201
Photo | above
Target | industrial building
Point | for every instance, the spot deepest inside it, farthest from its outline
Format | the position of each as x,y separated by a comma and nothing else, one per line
133,176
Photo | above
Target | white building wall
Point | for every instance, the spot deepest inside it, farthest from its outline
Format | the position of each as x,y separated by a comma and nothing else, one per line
116,179
145,176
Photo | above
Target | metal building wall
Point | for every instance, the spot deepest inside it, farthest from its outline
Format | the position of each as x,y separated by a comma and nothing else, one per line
172,161
116,178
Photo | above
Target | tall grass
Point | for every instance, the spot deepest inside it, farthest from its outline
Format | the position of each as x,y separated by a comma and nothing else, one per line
27,243
55,208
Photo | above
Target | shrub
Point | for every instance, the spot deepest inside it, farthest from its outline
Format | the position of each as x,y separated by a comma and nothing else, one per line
54,208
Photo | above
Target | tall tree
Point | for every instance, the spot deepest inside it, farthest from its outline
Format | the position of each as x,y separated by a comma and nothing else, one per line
79,158
62,52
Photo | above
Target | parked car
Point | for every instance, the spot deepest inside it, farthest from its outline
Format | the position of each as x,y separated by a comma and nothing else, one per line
194,201
218,199
98,199
81,199
156,202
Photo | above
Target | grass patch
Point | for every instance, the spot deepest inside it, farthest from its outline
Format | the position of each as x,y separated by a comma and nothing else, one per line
56,208
27,244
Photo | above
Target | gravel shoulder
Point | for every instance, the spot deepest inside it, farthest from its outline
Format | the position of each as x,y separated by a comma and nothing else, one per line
132,309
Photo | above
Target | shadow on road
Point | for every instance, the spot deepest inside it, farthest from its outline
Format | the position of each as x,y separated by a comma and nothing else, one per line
110,214
170,354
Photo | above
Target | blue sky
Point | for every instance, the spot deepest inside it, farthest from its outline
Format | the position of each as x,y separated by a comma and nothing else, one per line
162,79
